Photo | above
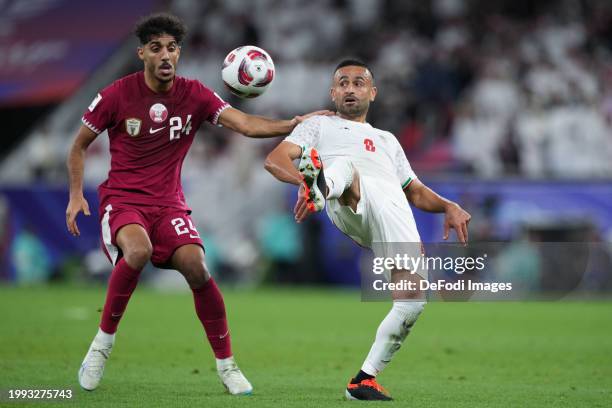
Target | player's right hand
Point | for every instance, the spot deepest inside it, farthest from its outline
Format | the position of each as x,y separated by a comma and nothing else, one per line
75,206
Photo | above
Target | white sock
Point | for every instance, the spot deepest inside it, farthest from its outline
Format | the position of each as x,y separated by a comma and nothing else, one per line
338,177
105,338
390,334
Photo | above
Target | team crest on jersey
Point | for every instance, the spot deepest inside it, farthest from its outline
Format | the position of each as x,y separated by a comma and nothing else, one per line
132,126
158,113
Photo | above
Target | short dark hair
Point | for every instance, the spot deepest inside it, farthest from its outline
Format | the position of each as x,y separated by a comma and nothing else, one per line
157,24
351,62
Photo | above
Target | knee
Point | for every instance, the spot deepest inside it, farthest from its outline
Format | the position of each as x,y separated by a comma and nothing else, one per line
137,256
195,272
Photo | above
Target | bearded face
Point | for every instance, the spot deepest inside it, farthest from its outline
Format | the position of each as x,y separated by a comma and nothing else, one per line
352,91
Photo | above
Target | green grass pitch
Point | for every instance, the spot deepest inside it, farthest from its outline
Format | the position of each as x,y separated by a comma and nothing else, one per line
300,346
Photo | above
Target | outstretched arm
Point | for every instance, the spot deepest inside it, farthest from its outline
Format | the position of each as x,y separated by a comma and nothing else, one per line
260,127
424,198
76,167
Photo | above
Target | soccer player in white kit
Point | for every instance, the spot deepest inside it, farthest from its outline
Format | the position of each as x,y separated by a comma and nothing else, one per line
362,176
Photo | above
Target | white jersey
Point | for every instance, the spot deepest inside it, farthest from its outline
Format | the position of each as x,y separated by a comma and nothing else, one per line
383,219
375,153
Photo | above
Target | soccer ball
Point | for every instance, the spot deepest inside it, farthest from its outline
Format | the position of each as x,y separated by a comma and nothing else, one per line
247,71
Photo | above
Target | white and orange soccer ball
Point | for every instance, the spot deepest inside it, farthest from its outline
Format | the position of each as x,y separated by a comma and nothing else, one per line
248,71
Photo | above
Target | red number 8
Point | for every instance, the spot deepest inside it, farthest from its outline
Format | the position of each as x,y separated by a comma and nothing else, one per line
369,145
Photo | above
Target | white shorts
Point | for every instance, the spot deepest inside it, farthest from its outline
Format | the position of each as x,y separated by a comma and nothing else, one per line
382,221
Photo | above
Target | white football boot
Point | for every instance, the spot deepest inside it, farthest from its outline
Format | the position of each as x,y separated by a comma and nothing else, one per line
311,169
232,378
92,368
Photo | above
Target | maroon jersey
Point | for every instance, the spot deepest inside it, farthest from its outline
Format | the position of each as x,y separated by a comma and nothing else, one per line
150,134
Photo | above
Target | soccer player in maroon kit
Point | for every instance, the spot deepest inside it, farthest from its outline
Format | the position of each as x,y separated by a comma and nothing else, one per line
151,117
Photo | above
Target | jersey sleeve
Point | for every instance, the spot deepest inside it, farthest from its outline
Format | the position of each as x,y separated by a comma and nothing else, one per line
307,133
101,113
210,104
402,167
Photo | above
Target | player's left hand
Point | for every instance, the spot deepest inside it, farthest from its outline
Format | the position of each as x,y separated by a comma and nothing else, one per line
301,210
299,119
457,218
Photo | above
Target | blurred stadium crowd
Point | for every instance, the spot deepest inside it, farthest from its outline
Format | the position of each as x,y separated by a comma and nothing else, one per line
476,87
471,88
489,88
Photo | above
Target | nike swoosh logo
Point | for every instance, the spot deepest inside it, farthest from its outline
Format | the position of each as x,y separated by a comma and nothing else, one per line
224,336
153,131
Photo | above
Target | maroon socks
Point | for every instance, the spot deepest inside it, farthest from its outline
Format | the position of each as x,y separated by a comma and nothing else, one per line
121,285
208,300
211,311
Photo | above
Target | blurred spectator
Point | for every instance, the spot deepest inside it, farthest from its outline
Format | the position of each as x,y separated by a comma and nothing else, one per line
30,258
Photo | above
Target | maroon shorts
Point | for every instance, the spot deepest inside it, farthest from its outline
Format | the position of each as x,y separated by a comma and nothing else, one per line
168,229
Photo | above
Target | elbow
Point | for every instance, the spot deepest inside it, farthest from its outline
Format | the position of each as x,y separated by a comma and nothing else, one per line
269,165
273,165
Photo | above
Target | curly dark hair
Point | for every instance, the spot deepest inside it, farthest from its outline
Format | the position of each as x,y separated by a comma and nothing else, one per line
157,24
